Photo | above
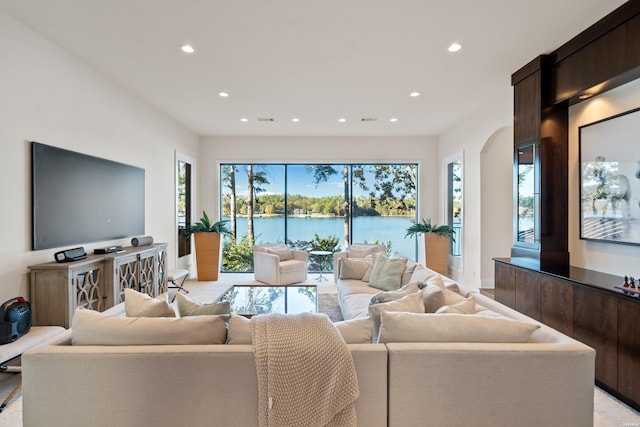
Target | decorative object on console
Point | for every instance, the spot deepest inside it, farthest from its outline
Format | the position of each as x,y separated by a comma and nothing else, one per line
142,241
436,243
207,238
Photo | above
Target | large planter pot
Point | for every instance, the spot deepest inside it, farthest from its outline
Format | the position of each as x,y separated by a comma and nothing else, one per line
436,250
207,255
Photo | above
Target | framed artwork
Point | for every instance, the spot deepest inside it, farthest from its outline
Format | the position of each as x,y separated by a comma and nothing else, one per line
610,179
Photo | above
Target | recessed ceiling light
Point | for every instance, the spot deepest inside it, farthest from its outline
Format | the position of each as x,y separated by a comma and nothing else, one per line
244,119
295,120
414,94
223,94
187,48
454,47
393,119
342,120
585,96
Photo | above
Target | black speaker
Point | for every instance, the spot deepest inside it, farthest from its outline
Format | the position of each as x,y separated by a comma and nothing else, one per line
70,255
15,319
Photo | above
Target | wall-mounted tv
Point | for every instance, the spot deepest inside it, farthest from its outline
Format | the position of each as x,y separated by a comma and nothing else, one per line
77,198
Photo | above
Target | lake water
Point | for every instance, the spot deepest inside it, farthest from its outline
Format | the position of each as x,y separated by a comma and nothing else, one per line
365,228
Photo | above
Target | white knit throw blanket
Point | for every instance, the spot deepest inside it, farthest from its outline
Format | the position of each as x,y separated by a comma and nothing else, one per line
306,375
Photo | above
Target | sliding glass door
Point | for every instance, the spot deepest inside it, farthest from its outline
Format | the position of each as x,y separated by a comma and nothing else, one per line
316,207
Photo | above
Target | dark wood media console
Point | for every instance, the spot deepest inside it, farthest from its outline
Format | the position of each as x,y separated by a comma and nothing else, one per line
585,305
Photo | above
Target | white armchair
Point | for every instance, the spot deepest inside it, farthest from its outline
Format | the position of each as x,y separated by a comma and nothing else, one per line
355,250
277,264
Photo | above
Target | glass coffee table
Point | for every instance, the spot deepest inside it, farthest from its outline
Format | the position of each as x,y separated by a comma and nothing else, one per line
248,300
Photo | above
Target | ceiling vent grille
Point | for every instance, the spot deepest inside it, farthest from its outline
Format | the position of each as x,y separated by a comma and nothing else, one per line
266,119
368,119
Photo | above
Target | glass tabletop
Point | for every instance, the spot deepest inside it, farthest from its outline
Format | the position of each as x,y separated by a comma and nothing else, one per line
250,300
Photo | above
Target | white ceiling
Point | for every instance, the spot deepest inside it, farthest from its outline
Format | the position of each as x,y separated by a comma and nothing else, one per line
317,61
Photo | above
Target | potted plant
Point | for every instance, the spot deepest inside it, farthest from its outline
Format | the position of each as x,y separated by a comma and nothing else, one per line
207,240
436,243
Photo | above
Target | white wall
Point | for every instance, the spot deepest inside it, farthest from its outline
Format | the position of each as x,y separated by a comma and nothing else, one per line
421,150
606,257
471,136
49,96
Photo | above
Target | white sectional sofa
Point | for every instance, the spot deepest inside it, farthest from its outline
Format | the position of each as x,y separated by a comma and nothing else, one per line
545,382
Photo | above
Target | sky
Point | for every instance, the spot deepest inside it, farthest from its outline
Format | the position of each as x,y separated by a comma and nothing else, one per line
300,181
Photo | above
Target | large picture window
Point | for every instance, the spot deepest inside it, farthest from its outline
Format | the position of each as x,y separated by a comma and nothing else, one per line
316,207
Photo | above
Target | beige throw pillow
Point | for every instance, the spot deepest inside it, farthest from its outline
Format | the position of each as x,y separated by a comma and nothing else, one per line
239,331
412,327
188,307
388,296
466,306
93,328
387,273
432,298
356,331
353,268
372,260
411,303
283,252
137,304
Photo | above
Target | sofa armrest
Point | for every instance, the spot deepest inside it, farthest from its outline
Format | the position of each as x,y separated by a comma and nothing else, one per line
300,255
336,264
526,384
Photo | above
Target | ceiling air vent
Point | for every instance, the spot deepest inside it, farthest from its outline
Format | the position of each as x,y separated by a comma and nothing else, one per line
266,119
368,119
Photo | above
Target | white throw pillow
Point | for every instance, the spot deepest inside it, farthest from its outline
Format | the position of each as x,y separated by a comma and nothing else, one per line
239,331
372,260
137,304
93,328
188,307
409,268
356,331
412,327
353,268
422,273
411,303
387,273
283,252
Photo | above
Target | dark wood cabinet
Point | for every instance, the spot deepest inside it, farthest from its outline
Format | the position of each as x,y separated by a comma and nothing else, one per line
586,306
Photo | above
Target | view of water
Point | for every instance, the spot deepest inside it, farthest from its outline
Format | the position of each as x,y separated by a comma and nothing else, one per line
365,228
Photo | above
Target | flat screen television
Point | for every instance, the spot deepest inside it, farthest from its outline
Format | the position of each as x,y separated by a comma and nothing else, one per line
77,198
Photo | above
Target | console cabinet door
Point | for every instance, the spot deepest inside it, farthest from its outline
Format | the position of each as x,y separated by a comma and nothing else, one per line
595,322
629,348
505,284
528,293
556,304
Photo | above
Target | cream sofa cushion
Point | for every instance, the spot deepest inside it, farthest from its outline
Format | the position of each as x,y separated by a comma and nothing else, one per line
93,328
412,327
361,251
137,304
409,268
188,307
412,303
